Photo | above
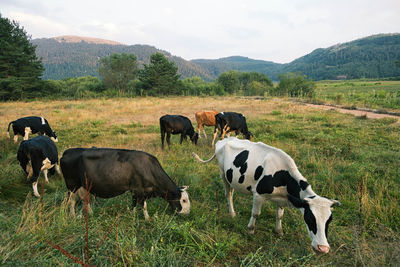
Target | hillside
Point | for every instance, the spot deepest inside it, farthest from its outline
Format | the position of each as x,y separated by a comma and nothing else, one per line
80,56
370,57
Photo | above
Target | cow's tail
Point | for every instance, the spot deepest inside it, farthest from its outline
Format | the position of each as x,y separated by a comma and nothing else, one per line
202,161
8,129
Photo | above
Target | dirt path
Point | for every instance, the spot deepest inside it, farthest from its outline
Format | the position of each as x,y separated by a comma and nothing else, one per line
370,115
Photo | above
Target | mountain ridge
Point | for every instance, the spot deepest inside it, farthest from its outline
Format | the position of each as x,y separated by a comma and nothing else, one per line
369,57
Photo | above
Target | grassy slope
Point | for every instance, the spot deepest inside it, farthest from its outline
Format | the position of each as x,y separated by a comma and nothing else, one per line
369,94
335,152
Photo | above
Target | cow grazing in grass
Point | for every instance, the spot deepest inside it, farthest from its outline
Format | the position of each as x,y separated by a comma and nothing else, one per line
111,172
269,173
177,124
35,155
227,122
25,126
205,118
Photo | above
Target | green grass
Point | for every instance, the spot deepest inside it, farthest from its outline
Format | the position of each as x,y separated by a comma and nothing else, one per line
335,152
359,93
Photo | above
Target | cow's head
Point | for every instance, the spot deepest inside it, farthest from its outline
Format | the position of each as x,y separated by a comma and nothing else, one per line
194,138
182,205
248,135
317,213
54,137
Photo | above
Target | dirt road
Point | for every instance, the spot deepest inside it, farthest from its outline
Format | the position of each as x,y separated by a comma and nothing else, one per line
370,115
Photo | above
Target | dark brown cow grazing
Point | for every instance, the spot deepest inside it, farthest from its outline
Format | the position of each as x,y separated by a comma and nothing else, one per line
205,118
111,172
177,124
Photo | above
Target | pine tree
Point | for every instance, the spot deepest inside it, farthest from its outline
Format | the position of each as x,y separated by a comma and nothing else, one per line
20,69
160,77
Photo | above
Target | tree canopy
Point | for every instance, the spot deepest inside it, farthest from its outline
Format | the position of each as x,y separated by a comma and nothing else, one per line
119,71
160,77
20,69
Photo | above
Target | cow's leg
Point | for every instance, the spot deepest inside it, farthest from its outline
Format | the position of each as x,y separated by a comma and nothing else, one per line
215,135
29,170
71,202
279,216
145,213
34,186
45,175
229,194
85,196
183,136
255,212
15,138
225,130
204,132
27,132
168,138
162,138
199,129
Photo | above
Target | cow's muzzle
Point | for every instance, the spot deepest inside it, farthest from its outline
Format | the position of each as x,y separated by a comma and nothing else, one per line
322,249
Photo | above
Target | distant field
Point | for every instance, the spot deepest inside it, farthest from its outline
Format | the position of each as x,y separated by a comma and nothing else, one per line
353,159
369,94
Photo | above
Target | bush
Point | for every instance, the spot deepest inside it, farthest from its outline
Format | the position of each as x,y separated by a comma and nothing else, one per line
295,85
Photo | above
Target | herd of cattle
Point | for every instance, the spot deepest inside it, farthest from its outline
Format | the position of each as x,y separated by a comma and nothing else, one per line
253,168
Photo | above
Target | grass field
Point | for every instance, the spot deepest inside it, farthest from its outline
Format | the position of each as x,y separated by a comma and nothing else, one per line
359,93
353,159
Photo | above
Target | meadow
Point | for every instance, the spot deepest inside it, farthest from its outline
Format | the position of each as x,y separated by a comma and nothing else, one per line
380,95
354,159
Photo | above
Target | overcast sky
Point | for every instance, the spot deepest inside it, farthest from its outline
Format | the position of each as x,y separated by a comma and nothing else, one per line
272,30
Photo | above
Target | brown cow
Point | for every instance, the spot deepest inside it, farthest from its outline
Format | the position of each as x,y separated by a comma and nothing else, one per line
207,118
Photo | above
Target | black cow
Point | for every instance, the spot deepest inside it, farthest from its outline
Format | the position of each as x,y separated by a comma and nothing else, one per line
227,122
35,155
177,124
25,126
110,172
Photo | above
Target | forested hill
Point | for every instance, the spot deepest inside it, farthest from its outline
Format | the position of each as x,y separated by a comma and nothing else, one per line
370,57
73,56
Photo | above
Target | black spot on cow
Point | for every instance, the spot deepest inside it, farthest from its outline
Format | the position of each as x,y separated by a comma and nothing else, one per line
280,178
312,197
243,169
258,172
229,175
241,179
310,220
241,158
327,225
248,188
303,185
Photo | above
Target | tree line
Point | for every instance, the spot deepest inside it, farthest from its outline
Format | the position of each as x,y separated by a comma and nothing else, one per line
122,75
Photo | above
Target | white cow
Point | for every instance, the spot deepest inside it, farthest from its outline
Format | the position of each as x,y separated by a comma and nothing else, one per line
270,174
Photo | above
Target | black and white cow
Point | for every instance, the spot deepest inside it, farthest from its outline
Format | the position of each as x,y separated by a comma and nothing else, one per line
35,155
177,124
25,126
227,122
270,174
112,172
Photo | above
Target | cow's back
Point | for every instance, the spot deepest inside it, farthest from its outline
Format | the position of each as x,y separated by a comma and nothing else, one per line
244,162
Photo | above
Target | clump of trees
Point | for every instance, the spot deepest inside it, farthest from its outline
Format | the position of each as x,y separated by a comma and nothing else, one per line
295,85
20,69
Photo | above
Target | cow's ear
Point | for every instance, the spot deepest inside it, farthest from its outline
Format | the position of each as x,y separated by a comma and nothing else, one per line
297,202
183,188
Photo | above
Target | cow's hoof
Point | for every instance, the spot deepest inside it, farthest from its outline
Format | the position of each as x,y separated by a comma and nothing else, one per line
233,214
36,195
250,231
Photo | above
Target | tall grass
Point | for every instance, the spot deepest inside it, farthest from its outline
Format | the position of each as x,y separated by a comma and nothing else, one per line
355,160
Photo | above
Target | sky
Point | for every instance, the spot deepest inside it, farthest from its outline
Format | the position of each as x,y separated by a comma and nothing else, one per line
271,30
